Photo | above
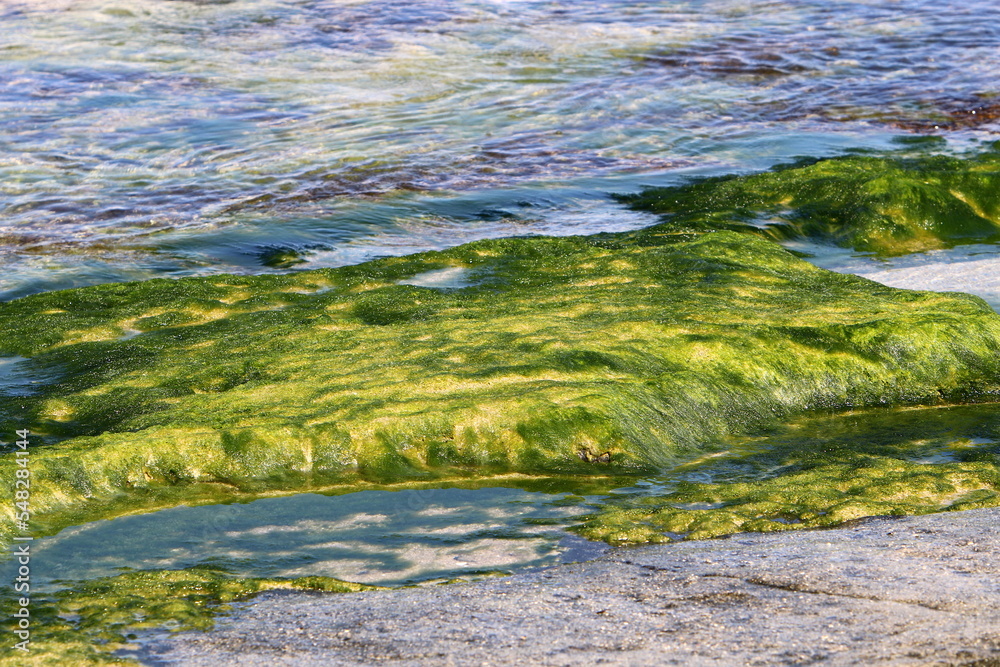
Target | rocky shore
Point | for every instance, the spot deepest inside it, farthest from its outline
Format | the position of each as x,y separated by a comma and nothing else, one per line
883,591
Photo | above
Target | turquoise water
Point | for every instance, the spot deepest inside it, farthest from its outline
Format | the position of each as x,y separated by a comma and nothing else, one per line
167,138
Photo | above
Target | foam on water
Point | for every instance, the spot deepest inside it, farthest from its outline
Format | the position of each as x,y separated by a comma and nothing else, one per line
456,220
453,278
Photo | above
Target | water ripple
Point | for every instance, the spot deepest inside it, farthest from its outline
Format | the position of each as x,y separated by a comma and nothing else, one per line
123,123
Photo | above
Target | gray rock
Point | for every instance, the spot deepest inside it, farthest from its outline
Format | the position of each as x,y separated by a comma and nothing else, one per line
886,591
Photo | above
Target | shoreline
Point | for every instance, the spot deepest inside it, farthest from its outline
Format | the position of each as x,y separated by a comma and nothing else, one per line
890,591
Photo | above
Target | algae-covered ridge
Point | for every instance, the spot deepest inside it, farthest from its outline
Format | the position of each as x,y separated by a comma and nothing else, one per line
539,359
890,205
610,354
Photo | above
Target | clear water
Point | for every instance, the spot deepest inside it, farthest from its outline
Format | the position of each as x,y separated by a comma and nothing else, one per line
377,537
22,377
170,137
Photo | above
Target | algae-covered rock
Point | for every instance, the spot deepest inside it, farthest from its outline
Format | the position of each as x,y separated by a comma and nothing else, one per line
821,471
888,205
85,623
611,354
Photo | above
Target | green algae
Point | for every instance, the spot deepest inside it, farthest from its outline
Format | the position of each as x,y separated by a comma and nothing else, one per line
820,472
824,491
86,623
577,363
616,354
890,205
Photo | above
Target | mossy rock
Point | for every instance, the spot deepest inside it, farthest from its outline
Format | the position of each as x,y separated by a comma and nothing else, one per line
886,205
603,355
818,471
825,492
87,622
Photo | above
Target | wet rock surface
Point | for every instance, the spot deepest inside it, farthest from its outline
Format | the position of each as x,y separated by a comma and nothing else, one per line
887,591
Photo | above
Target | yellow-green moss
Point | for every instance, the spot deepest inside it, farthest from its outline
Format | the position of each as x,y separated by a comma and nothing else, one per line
822,495
611,354
823,471
889,205
85,624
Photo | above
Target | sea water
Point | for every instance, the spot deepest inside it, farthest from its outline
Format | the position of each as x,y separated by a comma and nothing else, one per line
168,137
164,138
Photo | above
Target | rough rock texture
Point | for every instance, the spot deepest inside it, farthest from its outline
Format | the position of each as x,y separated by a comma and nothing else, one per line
907,591
86,623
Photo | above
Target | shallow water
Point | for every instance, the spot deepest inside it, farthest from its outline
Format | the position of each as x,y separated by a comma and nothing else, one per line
21,377
164,138
973,269
376,537
429,535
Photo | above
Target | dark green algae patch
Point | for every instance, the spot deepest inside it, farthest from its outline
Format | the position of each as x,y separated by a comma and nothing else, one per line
820,471
889,205
95,622
596,357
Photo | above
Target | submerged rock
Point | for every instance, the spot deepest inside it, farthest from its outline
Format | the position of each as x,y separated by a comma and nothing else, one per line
887,205
951,115
603,355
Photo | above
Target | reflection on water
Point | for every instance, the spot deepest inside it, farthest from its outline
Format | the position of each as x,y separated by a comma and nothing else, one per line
974,269
939,434
151,132
370,536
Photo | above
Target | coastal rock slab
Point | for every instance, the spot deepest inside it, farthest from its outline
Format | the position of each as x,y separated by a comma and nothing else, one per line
884,591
